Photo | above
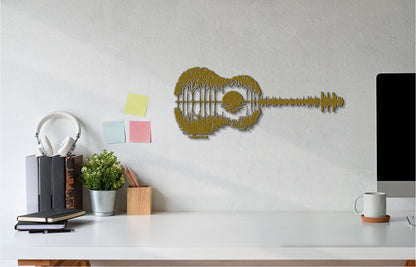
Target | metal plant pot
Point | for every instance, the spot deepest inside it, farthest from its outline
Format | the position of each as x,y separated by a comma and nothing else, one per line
103,202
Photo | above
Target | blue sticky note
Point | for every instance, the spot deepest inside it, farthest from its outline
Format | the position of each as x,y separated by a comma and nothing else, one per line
114,132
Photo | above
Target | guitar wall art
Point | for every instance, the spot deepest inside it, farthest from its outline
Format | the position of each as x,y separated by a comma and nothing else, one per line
207,102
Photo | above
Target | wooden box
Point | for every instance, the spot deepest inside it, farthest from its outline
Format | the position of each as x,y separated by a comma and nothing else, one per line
139,200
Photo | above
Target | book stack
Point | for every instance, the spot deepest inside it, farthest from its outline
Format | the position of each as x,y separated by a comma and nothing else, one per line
52,183
53,220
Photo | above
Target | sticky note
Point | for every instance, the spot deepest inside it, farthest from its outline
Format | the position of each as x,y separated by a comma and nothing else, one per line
114,132
136,104
140,132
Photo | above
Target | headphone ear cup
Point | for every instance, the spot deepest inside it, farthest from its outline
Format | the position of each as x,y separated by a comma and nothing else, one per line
65,146
46,146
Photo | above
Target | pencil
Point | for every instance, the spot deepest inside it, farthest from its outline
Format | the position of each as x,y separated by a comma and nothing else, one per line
127,175
133,177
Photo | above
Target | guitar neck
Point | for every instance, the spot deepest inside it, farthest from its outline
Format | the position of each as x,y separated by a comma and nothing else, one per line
326,101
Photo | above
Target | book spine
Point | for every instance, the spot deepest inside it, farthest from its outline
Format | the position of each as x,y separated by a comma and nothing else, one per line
45,198
58,182
32,200
73,191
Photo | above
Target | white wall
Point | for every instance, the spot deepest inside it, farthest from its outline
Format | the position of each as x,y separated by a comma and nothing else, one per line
85,56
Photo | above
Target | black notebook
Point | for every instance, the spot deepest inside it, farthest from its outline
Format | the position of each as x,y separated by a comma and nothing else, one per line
26,226
50,216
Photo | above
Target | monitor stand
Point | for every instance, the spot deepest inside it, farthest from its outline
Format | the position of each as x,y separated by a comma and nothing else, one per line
397,188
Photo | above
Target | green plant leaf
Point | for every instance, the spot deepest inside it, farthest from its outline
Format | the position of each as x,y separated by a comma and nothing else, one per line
102,172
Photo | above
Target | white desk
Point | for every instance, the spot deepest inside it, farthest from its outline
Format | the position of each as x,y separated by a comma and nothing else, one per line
218,236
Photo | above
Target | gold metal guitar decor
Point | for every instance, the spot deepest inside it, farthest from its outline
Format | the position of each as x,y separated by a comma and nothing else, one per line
203,99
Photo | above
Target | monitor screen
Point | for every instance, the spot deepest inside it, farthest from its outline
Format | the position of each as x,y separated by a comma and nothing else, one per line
395,108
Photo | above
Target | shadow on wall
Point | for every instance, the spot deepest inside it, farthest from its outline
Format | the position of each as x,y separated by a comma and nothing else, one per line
130,57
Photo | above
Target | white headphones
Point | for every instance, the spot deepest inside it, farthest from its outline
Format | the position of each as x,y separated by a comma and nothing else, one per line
67,146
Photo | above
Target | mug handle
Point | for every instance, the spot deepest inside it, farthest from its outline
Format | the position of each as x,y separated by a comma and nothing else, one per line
355,205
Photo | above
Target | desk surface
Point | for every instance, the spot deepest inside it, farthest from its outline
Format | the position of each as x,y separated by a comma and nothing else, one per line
217,236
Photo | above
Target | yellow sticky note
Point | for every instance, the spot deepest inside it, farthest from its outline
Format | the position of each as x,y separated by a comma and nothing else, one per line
136,104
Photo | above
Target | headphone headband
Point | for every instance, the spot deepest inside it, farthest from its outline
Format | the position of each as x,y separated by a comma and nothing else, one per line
59,114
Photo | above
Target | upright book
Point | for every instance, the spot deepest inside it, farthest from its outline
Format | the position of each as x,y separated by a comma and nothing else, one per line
51,216
32,190
73,191
45,192
58,182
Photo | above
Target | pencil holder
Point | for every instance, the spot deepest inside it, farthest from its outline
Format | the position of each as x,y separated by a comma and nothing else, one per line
139,200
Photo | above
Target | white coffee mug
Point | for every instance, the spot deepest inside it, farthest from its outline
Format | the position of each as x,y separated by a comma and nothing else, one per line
374,205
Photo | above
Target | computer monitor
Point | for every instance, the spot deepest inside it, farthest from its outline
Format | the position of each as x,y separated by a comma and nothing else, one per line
395,102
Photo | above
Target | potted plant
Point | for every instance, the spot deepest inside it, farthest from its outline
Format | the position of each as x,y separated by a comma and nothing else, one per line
102,174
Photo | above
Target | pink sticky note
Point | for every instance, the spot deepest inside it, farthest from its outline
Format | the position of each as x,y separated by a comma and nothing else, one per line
140,132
